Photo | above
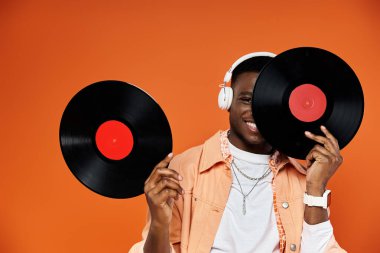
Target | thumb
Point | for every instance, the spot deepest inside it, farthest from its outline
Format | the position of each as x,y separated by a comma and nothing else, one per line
165,162
310,158
170,202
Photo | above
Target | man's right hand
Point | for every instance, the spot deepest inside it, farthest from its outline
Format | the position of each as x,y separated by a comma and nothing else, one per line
161,189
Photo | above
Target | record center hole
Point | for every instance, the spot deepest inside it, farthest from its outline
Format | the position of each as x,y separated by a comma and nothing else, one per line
307,102
114,140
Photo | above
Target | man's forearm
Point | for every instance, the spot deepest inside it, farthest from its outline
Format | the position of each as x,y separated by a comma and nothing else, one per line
314,214
157,240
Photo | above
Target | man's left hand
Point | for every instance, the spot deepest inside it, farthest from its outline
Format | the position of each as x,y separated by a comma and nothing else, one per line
321,162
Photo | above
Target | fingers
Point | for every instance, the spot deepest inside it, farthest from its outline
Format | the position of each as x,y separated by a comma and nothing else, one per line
165,196
330,137
318,153
163,164
322,150
163,178
167,184
160,174
164,192
329,142
162,186
322,155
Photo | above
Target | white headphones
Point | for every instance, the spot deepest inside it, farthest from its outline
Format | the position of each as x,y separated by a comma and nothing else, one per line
226,93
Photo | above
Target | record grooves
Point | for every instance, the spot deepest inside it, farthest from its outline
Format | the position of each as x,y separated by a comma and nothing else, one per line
302,89
112,134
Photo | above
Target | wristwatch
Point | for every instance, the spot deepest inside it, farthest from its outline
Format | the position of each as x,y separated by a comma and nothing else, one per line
323,201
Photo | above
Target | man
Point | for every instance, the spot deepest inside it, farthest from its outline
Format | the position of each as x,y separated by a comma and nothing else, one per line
235,193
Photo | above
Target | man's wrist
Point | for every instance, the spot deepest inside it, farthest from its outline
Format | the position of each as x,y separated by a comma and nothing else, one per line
154,226
316,190
157,239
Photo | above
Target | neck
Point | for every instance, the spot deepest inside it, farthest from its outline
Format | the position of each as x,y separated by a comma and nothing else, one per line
260,148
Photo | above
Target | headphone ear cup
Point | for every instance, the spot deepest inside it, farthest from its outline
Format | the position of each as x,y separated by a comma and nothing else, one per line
225,98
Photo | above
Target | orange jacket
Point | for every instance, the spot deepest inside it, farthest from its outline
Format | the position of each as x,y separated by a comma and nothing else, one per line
207,181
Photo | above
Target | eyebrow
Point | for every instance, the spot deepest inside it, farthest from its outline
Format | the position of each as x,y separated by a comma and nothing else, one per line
246,93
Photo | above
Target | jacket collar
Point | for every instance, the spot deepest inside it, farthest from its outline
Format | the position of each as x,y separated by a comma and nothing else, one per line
212,154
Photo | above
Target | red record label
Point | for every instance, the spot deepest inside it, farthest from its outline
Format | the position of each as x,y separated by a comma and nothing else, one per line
307,102
114,140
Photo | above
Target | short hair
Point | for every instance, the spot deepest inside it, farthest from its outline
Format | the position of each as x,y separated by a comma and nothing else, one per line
255,64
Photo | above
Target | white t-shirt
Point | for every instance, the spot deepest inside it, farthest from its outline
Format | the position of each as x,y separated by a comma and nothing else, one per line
256,231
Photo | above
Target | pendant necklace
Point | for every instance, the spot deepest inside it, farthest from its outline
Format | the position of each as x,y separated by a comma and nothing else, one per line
266,173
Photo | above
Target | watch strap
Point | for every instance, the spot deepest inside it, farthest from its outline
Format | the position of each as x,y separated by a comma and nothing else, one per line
323,201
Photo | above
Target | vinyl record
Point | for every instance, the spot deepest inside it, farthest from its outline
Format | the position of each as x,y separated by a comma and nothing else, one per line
301,89
112,134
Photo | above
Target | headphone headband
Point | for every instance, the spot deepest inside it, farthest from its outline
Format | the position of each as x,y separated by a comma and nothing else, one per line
226,93
228,75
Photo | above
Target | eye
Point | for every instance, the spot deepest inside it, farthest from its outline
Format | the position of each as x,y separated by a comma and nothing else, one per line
246,100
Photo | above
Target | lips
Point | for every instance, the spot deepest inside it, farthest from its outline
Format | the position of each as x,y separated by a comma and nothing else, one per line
251,126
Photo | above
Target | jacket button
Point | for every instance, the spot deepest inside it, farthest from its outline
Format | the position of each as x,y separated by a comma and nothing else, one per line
285,205
293,247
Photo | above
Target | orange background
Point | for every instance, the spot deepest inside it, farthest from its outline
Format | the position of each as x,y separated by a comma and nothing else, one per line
178,52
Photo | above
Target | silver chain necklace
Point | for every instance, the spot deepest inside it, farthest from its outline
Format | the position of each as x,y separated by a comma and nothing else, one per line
266,173
245,175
